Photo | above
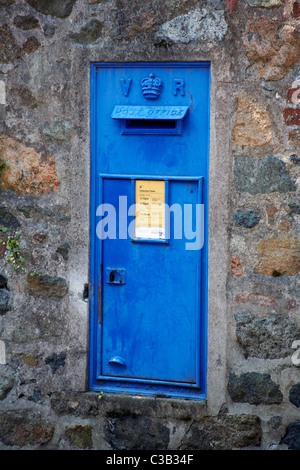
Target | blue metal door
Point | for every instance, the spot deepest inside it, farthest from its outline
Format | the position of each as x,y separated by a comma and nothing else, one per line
150,129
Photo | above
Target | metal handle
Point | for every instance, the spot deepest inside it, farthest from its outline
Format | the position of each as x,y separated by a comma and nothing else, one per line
117,360
115,276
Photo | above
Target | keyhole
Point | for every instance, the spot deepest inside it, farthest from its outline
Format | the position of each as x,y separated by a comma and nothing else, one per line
112,276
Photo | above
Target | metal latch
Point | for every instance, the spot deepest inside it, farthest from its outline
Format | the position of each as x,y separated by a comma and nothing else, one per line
115,276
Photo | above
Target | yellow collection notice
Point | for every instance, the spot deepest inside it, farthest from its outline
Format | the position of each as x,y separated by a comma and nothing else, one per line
150,209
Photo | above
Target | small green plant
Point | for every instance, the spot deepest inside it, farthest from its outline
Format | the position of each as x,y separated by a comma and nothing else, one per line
13,249
2,166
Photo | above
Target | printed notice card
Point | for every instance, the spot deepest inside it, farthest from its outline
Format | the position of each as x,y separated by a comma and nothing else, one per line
150,209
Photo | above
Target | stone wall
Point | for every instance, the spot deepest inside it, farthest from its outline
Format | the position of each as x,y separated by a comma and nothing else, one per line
253,398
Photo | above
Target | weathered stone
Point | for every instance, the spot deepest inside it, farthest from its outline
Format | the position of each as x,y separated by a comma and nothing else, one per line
294,208
254,388
223,432
49,30
294,138
294,395
37,324
22,96
58,215
89,33
55,361
136,433
59,130
265,3
63,250
279,256
246,218
80,436
264,300
236,267
272,45
292,436
266,338
26,22
30,360
285,226
56,8
10,50
262,176
296,9
7,381
231,4
4,301
291,116
30,45
46,286
6,3
24,428
200,24
252,124
8,220
37,396
275,422
271,210
28,172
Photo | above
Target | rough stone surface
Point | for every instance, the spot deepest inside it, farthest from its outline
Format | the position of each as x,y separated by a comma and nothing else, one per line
56,8
37,322
294,138
292,436
254,388
260,299
265,3
7,381
246,218
266,338
4,301
28,172
236,267
294,395
223,433
80,436
26,22
10,50
201,24
58,130
291,116
262,176
8,220
272,46
277,256
89,33
136,432
296,9
55,361
24,429
6,2
252,123
46,286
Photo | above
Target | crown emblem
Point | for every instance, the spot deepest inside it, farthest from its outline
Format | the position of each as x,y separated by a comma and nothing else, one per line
151,86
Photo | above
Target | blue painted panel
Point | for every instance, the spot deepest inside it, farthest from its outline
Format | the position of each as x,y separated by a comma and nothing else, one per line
156,336
148,300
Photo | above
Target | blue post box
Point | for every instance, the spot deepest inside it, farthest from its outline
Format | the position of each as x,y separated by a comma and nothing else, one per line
149,206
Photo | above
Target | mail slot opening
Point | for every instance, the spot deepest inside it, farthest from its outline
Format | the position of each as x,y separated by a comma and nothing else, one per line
152,126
